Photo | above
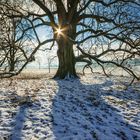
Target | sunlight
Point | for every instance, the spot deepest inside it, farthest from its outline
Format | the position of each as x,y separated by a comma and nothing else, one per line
59,31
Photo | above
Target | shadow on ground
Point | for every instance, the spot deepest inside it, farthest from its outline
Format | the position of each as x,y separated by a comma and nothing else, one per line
78,110
100,111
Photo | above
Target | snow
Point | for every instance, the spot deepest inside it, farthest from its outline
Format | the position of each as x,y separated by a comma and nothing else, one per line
91,108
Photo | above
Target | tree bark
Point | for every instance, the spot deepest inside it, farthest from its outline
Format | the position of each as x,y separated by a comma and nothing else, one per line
12,59
66,59
12,66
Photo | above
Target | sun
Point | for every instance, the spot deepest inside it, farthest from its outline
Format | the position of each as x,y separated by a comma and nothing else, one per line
59,31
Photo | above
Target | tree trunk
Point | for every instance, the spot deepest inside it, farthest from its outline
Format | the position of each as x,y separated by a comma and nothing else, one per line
12,67
12,62
66,59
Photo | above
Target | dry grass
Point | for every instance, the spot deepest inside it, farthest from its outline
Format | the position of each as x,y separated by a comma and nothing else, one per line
34,74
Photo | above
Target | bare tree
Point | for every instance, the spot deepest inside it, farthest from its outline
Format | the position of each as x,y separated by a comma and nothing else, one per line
105,32
17,39
13,50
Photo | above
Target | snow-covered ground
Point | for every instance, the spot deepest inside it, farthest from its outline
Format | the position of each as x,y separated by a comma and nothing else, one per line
91,108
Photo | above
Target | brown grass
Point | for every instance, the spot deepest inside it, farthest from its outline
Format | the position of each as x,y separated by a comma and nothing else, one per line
34,74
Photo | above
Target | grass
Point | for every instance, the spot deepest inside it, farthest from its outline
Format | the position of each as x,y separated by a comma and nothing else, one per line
34,74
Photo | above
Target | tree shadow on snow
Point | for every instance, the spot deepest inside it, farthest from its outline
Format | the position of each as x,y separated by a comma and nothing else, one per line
20,118
80,110
84,112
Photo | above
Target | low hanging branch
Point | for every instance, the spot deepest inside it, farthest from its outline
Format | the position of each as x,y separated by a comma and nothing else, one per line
95,58
82,58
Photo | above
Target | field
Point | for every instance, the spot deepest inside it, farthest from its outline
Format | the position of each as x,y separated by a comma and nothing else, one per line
35,107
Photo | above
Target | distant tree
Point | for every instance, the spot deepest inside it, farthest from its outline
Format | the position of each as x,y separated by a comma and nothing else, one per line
16,43
13,50
9,45
50,60
104,31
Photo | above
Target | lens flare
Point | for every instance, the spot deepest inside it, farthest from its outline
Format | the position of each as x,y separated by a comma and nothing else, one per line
59,31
